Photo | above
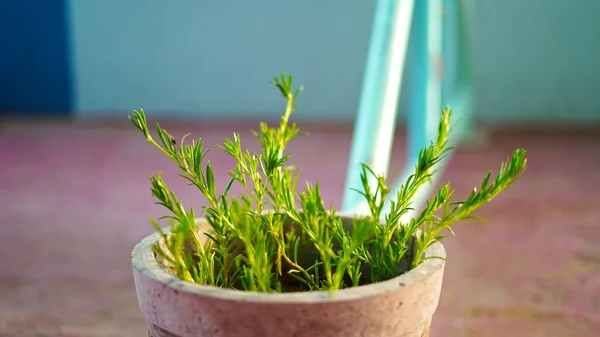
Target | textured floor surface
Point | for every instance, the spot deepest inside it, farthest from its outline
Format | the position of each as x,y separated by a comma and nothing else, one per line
74,199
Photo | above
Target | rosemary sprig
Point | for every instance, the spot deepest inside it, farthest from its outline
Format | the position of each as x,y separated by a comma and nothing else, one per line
256,239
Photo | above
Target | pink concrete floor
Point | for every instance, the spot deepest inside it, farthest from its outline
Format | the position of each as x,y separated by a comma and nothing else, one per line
75,198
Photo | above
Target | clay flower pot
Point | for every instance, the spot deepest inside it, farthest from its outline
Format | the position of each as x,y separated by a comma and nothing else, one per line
400,307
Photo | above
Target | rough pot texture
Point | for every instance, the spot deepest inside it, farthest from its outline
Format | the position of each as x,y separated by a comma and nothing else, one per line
400,307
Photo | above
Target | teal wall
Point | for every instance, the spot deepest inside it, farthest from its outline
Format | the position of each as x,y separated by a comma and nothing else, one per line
536,59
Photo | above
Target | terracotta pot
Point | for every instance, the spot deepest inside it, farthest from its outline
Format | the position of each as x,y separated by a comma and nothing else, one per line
402,306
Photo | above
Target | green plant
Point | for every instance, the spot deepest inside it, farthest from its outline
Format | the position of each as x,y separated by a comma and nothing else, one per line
255,238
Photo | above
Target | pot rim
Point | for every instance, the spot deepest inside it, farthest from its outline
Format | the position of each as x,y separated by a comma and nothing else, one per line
144,262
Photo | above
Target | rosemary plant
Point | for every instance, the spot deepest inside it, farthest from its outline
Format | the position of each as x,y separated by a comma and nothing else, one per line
255,239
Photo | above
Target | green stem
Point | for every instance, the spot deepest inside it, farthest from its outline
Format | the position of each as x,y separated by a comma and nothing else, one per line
284,123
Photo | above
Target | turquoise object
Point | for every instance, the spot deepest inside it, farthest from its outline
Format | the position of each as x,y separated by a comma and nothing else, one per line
441,74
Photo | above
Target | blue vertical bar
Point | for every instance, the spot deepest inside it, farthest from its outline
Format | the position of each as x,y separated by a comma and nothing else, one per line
35,72
420,64
451,51
458,86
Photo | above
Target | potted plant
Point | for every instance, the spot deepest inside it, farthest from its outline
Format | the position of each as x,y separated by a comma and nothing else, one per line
274,261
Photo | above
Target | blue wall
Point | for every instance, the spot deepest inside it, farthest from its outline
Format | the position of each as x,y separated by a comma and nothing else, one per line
35,72
535,59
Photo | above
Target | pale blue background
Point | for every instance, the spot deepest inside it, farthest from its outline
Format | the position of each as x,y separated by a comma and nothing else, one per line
536,60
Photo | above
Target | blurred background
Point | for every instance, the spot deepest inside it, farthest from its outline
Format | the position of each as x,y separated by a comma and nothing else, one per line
74,193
